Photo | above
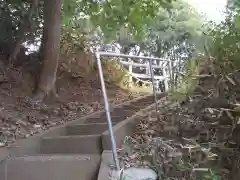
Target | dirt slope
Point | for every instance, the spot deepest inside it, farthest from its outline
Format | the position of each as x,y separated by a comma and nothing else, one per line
197,138
78,96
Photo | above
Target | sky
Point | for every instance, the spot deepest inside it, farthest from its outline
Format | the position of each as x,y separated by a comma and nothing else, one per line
213,9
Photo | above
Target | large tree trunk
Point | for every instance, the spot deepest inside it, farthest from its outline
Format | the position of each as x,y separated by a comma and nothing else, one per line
25,27
51,49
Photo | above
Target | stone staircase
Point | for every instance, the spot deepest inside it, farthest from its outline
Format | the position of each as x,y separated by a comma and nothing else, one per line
70,152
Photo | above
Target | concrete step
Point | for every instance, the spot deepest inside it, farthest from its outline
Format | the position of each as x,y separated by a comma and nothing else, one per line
90,144
119,114
103,119
122,112
147,100
142,102
52,167
135,108
87,129
120,131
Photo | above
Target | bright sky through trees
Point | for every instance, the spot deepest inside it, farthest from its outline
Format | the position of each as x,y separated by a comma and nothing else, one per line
213,9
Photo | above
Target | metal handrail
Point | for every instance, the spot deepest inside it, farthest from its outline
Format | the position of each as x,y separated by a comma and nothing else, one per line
109,121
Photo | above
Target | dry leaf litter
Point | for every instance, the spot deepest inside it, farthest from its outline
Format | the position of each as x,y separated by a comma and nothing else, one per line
21,118
195,139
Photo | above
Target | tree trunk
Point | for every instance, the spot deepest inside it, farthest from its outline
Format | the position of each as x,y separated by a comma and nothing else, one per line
50,48
25,27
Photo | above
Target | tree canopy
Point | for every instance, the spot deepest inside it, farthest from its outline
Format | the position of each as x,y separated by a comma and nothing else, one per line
162,28
110,16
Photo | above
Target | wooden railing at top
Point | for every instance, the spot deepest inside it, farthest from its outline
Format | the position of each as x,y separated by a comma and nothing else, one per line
146,75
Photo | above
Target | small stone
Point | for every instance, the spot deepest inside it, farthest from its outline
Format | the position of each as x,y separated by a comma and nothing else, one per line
26,135
140,173
2,144
21,122
13,127
56,111
37,125
39,130
72,106
22,132
52,123
3,128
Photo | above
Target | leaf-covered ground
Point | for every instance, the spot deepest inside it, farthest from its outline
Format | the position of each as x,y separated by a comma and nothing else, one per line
194,139
78,96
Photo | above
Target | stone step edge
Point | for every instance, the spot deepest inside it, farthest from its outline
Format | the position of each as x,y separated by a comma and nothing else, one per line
79,144
107,159
86,129
30,146
126,127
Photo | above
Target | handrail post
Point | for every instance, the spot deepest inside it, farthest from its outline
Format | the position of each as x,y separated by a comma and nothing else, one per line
107,109
164,74
130,80
154,88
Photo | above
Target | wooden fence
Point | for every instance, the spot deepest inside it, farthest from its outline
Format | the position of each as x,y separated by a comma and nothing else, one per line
163,78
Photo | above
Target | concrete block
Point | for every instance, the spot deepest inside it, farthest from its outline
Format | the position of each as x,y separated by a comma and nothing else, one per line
71,144
51,167
87,129
103,119
105,167
120,131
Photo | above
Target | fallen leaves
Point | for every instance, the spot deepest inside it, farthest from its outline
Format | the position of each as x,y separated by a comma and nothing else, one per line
195,136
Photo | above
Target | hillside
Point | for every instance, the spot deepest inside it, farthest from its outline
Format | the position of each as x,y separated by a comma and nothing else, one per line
194,138
77,97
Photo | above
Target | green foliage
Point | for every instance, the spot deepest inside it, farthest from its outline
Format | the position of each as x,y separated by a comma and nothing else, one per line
181,24
212,175
79,35
82,18
111,15
176,35
226,43
13,14
114,72
225,40
160,27
187,83
222,42
233,5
